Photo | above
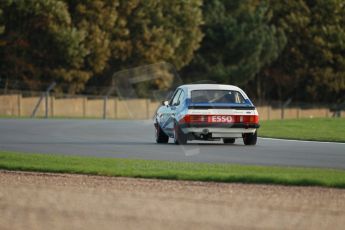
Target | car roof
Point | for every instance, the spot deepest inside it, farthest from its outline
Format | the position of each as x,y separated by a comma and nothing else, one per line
191,87
209,86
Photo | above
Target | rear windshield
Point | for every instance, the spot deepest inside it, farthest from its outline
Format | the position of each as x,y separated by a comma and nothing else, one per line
217,96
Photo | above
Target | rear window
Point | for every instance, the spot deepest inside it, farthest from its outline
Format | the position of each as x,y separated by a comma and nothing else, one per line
217,96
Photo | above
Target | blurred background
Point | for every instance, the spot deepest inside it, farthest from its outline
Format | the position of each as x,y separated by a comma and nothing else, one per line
119,58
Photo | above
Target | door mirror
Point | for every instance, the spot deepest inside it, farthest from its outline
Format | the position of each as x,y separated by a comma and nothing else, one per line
166,103
176,104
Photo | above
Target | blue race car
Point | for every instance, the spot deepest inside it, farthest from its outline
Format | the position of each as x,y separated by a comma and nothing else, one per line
207,112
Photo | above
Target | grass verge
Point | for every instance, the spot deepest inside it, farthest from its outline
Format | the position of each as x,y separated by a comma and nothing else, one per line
316,129
173,170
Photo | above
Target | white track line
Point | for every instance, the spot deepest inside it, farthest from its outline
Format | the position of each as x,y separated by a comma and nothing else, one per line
320,142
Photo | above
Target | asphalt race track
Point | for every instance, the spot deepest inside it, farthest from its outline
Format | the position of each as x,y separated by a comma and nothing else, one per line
135,139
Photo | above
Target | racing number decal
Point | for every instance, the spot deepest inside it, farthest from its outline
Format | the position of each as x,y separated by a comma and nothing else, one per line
220,119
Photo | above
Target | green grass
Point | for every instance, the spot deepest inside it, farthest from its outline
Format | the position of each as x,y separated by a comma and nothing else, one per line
317,129
173,170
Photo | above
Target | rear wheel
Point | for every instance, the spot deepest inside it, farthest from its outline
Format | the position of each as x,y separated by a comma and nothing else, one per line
161,137
249,138
229,140
179,137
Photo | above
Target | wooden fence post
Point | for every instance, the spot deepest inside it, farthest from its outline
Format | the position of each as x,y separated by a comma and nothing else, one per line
115,107
19,104
52,106
148,101
84,106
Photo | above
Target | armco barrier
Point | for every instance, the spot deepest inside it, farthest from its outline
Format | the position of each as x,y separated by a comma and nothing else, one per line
115,108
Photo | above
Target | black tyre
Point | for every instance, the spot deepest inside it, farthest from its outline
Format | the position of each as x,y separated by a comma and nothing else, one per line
249,138
161,137
179,137
229,140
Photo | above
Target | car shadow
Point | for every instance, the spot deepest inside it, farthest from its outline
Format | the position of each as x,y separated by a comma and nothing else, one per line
119,143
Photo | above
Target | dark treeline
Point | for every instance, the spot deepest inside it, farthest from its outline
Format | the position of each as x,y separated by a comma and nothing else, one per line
276,50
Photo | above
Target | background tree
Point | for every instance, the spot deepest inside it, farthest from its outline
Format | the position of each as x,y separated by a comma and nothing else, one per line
96,18
40,45
312,65
152,31
238,42
282,49
156,30
72,41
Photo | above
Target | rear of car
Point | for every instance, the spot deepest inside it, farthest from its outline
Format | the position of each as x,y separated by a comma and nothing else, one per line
210,112
219,111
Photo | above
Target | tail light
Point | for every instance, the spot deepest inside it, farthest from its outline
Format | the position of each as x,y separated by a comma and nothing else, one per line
247,119
195,118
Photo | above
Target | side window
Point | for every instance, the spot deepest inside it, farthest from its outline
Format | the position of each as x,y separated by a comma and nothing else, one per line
239,98
181,97
175,98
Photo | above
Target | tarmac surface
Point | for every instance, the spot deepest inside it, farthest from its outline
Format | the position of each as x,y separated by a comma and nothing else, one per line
135,139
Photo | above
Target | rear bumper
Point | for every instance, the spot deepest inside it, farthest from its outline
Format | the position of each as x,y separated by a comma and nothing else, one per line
221,125
219,130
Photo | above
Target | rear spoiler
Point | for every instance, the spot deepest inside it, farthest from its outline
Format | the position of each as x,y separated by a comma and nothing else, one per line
221,107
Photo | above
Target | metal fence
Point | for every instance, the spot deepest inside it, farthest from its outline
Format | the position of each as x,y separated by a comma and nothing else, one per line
38,104
41,104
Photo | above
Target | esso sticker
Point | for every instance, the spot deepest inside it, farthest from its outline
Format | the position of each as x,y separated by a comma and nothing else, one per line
220,119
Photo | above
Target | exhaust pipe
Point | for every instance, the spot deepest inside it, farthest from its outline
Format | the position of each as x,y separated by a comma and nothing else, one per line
205,131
